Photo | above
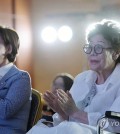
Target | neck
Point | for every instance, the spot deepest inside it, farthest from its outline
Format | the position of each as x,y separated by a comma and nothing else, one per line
104,74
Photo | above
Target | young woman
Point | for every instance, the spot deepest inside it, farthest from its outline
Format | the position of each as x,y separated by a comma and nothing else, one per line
15,86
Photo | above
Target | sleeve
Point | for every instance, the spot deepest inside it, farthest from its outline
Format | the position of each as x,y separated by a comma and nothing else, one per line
76,90
18,94
94,117
57,119
116,104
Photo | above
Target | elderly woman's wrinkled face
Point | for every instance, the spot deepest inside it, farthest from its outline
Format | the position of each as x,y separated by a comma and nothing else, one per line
100,60
57,84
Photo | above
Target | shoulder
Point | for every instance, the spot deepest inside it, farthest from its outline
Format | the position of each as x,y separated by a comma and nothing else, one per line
83,75
80,88
23,73
17,73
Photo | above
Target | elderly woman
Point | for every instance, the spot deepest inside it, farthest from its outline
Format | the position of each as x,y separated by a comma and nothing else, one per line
94,91
15,86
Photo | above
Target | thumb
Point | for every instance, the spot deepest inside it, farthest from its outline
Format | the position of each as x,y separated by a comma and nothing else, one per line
69,94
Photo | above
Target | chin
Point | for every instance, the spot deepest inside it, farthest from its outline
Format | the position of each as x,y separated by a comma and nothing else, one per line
95,68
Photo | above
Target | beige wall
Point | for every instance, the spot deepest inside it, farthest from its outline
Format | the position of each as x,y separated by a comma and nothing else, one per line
44,61
58,57
6,13
23,27
16,14
64,57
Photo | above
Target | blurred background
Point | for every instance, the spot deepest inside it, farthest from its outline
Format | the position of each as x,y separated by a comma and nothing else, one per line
52,34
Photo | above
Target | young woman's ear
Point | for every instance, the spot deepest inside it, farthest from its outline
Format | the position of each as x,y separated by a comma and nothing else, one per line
8,49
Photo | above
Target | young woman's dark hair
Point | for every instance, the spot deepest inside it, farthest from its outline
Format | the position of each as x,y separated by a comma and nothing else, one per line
10,39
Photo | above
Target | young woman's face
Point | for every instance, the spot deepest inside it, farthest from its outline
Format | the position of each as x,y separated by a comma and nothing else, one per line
102,61
57,84
2,53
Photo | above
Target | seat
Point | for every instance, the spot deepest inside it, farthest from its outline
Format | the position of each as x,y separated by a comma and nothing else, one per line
109,124
35,110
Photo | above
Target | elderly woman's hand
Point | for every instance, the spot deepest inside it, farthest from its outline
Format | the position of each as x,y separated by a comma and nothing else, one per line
66,102
52,100
68,105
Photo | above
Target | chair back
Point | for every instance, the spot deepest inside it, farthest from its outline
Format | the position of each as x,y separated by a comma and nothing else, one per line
35,110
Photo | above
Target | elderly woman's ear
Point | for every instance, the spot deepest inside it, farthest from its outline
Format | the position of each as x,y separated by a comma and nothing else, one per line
115,55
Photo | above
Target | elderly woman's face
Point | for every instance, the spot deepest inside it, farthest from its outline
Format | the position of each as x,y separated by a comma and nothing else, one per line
58,84
100,60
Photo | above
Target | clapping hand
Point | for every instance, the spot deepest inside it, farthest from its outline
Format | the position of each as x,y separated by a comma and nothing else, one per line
66,102
52,100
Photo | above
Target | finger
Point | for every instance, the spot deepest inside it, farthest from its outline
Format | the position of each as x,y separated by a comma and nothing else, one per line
61,99
47,100
60,103
62,92
48,97
69,94
62,96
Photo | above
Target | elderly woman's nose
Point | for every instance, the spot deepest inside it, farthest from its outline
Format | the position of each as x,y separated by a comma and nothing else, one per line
93,51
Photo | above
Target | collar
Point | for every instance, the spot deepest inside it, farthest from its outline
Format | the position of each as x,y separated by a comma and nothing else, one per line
12,71
91,77
5,69
114,77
